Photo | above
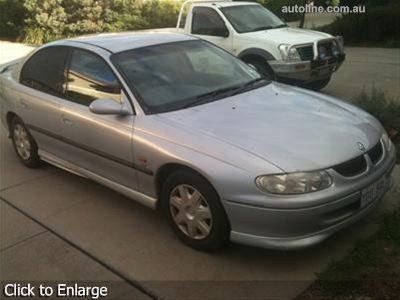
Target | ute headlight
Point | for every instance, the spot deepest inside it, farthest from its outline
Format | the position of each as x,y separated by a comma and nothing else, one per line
288,52
294,183
387,142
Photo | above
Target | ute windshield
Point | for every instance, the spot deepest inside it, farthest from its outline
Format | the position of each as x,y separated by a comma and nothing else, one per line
250,18
177,75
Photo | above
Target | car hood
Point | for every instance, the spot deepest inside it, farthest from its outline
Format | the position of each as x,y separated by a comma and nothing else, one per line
292,128
288,35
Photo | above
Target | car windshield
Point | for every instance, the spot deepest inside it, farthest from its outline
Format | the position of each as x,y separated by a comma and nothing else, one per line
177,75
249,18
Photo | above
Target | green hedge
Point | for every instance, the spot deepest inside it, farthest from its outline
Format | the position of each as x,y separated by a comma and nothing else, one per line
40,21
385,109
12,14
379,26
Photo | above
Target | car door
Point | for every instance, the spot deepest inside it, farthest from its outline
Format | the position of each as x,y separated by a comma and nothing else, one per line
42,80
208,25
101,144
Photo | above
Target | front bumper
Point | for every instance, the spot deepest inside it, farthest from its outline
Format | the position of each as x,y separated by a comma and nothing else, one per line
307,71
300,228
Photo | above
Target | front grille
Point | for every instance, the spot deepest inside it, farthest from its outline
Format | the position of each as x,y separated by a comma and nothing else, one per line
306,52
326,48
352,167
376,152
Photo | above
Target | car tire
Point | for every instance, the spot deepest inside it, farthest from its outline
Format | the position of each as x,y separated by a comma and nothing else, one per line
201,222
262,66
24,144
318,85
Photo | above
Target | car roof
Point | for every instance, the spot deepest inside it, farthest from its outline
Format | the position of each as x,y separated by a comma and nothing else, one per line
117,42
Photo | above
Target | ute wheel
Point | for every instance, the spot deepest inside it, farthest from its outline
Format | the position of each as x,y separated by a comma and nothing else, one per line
262,67
194,211
24,144
318,85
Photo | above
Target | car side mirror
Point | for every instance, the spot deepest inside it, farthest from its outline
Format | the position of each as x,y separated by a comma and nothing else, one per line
107,107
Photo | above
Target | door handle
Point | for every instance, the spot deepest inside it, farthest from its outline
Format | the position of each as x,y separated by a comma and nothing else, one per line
23,103
67,121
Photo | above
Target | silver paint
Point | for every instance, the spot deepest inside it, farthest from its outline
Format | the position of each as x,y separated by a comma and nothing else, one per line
270,130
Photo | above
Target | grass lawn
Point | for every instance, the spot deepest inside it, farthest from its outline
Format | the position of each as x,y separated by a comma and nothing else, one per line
370,271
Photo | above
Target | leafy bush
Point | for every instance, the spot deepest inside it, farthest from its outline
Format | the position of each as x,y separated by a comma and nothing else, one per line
12,14
157,14
385,109
40,21
53,19
378,26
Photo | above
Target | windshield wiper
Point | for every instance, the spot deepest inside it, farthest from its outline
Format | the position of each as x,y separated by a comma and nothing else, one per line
262,28
250,85
229,91
204,98
281,26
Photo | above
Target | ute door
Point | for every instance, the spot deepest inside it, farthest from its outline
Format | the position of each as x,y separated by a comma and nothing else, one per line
101,144
208,25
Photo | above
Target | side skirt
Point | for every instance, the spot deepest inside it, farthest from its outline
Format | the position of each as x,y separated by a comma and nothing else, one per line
128,192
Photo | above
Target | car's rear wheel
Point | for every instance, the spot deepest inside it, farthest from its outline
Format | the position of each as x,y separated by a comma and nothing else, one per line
24,144
195,212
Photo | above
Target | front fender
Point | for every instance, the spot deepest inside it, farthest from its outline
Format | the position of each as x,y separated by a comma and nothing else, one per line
256,52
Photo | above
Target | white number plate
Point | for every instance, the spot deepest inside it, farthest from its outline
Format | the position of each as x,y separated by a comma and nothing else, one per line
374,191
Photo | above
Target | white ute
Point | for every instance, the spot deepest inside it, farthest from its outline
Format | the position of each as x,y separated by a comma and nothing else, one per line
257,36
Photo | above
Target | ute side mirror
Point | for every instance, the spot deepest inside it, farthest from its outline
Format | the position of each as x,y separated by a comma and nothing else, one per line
107,106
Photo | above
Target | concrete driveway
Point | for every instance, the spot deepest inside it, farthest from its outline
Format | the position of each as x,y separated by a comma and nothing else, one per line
58,226
366,68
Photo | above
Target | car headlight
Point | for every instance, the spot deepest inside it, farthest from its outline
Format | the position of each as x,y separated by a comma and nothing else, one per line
289,53
386,141
294,183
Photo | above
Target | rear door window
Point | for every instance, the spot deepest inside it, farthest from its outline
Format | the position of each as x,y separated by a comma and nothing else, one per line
45,70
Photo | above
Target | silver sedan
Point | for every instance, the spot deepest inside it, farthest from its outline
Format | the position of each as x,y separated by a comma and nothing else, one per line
177,123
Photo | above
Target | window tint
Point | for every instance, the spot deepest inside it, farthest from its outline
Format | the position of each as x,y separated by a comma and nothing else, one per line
206,21
90,78
45,70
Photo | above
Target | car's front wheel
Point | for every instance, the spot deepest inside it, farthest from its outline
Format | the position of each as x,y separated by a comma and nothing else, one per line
24,144
195,212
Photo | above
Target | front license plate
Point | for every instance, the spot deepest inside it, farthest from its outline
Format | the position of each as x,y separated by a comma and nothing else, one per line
374,191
